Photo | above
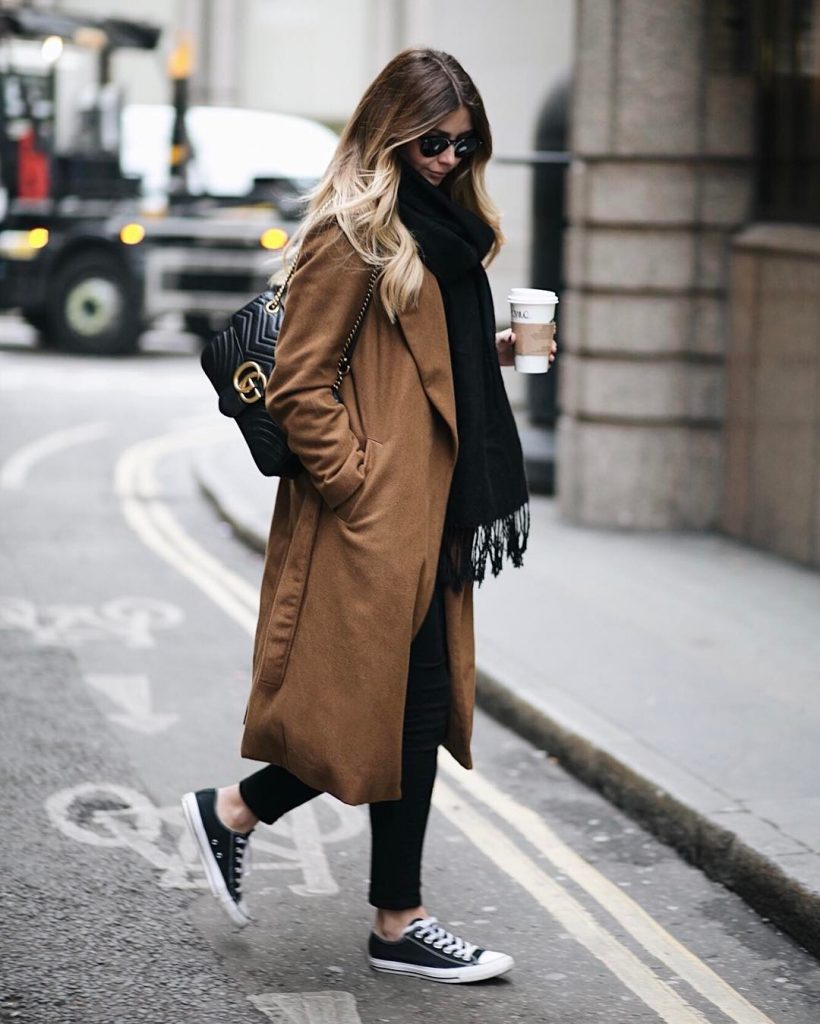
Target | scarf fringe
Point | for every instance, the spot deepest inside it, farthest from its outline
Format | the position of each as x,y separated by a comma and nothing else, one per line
465,551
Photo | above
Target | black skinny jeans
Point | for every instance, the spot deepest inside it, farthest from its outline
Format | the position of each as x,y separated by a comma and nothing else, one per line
397,826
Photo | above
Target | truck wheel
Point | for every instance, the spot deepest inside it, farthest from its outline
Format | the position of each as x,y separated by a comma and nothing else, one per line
94,307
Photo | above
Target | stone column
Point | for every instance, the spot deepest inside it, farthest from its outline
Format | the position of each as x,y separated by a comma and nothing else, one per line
772,479
662,139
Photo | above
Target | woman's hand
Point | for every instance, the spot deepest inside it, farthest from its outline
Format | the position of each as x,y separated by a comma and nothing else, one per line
505,346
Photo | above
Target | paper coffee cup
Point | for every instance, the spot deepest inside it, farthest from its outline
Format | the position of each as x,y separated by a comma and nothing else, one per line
531,312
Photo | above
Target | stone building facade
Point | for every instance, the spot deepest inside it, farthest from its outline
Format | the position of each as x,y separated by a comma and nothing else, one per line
690,390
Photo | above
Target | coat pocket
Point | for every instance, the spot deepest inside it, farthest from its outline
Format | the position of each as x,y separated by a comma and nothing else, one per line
287,601
348,509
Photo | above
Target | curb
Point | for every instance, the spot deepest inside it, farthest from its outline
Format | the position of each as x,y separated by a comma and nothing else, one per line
245,523
720,852
706,843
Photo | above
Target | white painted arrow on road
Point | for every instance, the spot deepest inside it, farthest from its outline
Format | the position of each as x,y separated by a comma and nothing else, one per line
132,694
308,1007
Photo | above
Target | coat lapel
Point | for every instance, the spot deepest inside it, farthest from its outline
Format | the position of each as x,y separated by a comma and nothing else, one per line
425,330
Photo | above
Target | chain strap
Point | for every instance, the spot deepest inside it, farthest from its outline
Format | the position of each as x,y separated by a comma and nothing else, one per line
272,304
344,359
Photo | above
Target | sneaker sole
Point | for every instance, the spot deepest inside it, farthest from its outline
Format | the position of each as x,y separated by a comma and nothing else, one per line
190,808
447,975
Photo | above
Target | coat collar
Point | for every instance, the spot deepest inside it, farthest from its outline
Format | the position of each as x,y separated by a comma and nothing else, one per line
425,330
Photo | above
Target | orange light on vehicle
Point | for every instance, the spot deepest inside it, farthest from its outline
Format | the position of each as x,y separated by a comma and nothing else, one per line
181,61
132,234
38,238
273,238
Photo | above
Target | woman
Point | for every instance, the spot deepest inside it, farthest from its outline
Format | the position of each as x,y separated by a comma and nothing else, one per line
413,484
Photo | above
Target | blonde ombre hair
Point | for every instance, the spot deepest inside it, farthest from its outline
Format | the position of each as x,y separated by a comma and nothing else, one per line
417,89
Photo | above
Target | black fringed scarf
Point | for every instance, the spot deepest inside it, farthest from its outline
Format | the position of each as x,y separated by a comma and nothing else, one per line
487,510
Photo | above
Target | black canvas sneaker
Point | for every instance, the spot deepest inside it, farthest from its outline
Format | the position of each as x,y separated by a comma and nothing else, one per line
224,853
429,951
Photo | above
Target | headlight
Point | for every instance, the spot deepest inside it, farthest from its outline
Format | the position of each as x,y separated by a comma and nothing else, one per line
38,238
273,238
132,234
23,245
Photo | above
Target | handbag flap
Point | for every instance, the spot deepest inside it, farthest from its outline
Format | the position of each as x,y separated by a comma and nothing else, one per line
249,337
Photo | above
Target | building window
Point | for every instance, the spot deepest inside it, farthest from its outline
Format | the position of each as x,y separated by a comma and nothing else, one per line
786,41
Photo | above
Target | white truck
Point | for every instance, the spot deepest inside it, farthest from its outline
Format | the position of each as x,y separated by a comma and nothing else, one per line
98,238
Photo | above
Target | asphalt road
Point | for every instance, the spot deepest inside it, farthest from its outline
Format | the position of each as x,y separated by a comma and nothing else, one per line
125,617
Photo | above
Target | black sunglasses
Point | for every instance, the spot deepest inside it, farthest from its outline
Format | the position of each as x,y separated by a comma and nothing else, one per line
433,145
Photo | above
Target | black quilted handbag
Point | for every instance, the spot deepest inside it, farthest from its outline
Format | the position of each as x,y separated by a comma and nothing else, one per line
239,362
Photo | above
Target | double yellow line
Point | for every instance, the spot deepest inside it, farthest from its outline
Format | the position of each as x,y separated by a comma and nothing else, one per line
141,501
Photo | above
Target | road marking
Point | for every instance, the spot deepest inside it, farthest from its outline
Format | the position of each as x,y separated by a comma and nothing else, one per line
132,694
129,619
626,911
306,832
138,490
104,814
16,468
656,940
566,910
308,1007
78,811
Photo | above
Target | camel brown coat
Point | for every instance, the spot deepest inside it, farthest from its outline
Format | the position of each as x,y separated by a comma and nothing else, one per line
353,547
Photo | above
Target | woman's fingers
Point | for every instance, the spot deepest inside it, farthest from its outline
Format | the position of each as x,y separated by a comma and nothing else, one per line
504,341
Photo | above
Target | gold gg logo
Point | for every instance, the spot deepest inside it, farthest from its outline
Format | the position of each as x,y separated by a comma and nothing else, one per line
249,382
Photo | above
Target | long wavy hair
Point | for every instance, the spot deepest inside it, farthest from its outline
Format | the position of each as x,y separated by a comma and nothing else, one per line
418,88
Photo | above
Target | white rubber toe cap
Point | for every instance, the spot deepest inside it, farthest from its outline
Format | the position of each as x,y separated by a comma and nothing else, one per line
501,960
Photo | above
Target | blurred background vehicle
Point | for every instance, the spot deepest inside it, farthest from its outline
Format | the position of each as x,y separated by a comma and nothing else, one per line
113,215
236,154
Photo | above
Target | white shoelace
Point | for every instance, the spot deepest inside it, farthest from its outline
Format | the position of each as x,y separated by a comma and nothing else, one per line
432,933
242,861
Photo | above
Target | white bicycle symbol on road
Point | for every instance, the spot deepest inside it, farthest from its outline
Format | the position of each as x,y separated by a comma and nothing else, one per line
130,619
109,815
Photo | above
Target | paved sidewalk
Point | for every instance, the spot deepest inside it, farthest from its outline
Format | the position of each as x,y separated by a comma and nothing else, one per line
677,673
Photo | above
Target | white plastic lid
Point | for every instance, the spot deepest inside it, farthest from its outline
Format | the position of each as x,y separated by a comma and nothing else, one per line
534,296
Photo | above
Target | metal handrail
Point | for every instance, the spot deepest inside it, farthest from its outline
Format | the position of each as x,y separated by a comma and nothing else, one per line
537,156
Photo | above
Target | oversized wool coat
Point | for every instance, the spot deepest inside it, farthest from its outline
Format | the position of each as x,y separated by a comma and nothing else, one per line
354,542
